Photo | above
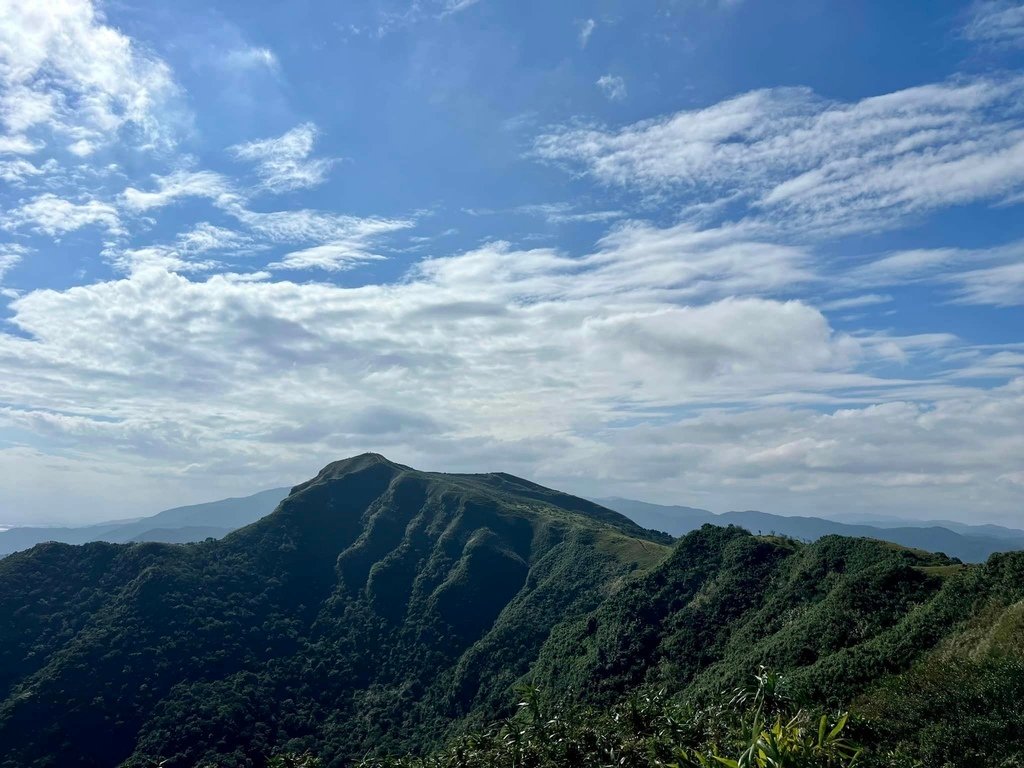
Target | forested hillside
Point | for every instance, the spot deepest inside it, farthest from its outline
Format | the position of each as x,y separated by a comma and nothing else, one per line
385,611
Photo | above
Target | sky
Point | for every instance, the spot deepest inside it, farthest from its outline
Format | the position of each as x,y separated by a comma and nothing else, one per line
728,254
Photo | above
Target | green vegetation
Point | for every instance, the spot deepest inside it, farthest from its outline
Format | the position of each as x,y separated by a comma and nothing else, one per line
385,611
757,728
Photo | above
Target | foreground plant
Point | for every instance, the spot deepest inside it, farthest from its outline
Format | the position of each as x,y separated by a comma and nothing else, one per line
757,728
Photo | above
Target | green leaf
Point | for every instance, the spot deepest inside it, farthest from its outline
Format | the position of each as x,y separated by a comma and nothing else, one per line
839,726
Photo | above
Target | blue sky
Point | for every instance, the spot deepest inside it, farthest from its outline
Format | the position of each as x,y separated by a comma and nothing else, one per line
727,254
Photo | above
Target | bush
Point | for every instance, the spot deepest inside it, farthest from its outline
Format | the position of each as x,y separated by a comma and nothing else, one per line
759,727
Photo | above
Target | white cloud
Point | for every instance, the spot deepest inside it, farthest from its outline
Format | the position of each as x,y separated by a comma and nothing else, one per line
906,266
284,163
82,148
166,258
307,226
587,28
246,277
998,363
992,276
499,320
856,302
1001,286
349,238
925,461
205,237
64,68
526,360
22,108
18,145
725,339
999,22
340,242
54,215
409,14
689,262
806,163
11,255
673,347
613,86
566,213
177,185
457,6
333,257
251,57
17,171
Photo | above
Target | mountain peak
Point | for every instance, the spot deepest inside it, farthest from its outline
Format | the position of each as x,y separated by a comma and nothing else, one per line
364,464
357,463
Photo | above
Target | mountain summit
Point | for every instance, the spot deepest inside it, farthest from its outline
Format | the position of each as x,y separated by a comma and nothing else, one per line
342,467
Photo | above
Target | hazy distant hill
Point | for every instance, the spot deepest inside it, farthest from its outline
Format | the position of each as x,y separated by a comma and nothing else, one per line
184,535
384,609
985,529
179,525
972,544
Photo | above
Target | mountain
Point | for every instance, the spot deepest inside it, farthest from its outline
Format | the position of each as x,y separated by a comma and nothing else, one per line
187,534
674,520
972,544
179,525
985,529
928,656
380,610
373,589
893,521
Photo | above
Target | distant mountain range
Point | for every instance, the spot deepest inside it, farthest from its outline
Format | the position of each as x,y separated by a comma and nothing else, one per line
970,543
215,519
173,526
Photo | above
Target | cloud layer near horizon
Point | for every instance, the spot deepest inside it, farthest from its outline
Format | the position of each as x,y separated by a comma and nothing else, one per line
497,357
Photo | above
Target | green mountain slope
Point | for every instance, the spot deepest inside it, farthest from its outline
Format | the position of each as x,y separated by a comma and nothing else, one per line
837,614
929,655
380,609
358,614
